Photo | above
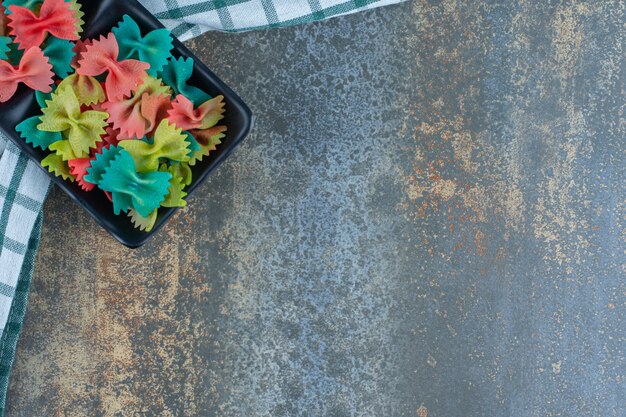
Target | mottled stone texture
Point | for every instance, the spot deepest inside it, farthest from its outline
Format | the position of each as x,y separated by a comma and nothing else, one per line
427,221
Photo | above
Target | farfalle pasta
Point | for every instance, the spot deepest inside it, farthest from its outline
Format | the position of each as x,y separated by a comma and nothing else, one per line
34,70
63,113
168,143
139,114
60,54
142,192
78,168
119,114
184,115
54,17
122,75
176,73
5,47
154,48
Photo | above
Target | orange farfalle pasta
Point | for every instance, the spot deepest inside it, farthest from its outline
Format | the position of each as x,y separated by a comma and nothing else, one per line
185,117
154,108
55,17
101,56
34,70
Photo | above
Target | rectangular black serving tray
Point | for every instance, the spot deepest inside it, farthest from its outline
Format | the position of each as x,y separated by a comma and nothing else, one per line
100,18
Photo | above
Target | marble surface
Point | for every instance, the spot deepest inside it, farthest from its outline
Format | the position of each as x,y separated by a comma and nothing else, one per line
427,221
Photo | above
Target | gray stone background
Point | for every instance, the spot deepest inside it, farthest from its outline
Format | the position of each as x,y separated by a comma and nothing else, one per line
427,221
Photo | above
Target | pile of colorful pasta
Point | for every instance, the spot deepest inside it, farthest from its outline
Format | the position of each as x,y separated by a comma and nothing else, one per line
117,112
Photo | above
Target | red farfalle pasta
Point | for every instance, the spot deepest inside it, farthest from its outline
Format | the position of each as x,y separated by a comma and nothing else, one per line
78,168
185,117
98,149
101,56
55,17
34,70
111,137
78,49
108,139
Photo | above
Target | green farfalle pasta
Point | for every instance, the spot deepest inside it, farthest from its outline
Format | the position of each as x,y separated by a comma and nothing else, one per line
88,90
78,13
168,143
60,54
183,171
56,165
208,139
176,73
176,194
145,224
154,48
64,149
38,138
63,114
143,192
154,86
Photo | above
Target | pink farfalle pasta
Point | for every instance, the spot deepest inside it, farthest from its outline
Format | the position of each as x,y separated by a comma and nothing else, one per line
138,115
55,17
122,76
34,70
185,117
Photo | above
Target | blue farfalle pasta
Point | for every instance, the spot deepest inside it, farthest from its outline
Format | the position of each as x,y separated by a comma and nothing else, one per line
5,47
38,138
154,48
29,4
176,74
143,192
100,163
42,97
60,53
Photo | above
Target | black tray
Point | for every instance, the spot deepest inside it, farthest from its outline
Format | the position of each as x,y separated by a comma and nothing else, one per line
100,18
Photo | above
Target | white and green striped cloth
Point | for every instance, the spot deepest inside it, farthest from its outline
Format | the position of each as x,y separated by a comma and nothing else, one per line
189,18
23,186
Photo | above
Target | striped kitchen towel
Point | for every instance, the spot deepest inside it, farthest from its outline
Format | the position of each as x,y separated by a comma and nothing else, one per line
189,18
23,186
